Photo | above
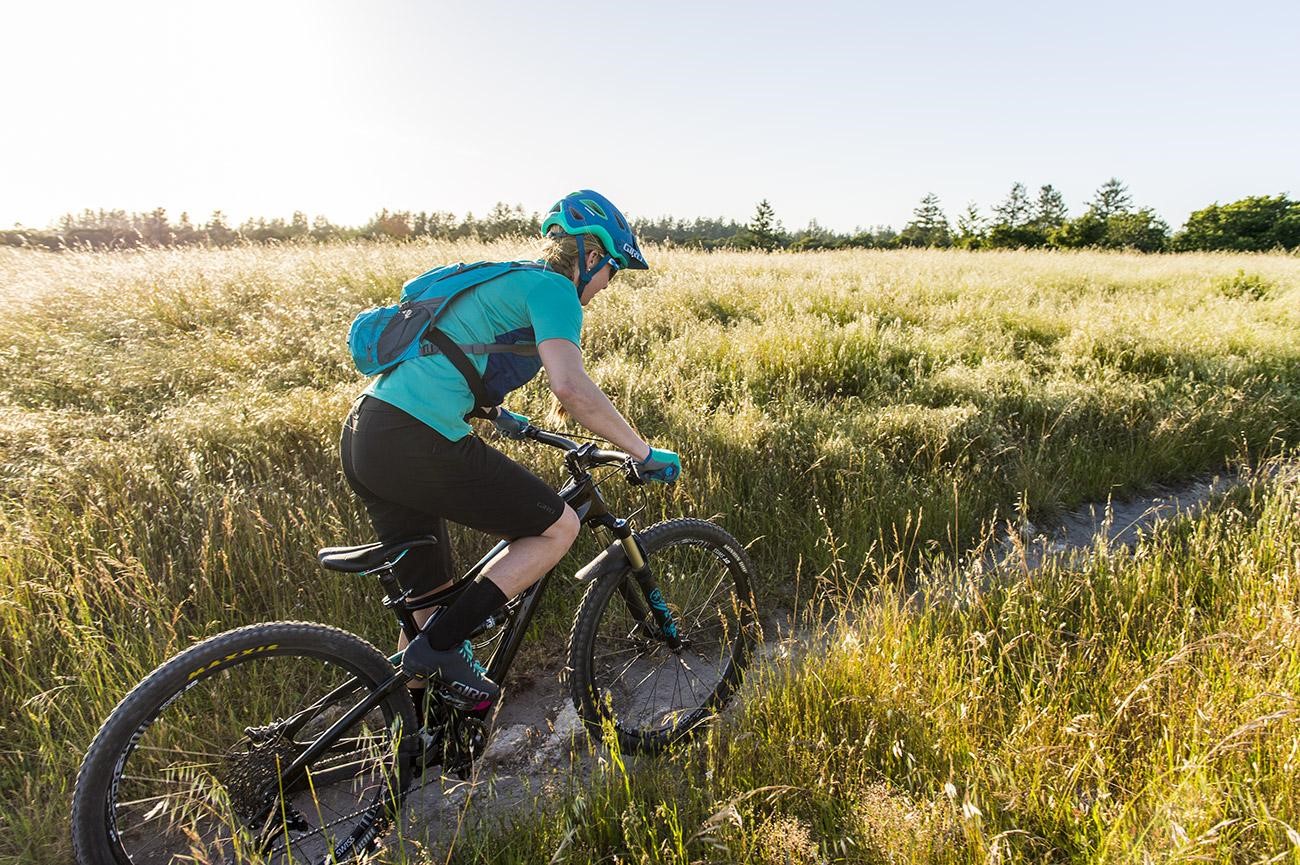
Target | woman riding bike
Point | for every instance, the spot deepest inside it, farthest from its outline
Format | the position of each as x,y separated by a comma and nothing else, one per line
411,456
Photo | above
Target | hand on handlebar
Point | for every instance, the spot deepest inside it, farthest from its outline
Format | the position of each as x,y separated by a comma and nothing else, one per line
509,424
659,465
662,466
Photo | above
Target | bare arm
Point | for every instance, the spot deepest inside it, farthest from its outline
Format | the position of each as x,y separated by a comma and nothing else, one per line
583,399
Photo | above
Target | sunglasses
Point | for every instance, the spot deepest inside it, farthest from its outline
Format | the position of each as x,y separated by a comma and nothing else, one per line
614,268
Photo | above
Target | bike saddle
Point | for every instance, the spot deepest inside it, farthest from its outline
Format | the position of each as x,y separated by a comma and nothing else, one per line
367,557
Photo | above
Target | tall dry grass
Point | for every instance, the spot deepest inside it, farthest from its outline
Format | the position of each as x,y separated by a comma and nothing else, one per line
168,419
1138,706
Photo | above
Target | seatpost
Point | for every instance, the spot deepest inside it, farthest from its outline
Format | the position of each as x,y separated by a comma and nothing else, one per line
395,598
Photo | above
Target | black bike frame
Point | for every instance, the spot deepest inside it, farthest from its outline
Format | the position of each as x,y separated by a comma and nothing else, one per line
580,493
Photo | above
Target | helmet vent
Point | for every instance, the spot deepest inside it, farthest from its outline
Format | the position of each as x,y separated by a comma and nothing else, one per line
574,214
594,208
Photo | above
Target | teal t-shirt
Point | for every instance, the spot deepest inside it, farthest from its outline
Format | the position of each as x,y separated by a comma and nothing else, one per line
431,389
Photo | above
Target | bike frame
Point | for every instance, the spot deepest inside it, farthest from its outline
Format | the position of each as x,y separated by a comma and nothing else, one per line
580,493
583,495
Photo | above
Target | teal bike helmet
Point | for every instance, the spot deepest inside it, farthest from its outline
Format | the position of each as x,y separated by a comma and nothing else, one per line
588,212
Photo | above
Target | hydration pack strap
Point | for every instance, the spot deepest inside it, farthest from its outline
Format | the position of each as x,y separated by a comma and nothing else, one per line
465,367
524,349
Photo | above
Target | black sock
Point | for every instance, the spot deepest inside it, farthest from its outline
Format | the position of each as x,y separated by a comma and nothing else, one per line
480,599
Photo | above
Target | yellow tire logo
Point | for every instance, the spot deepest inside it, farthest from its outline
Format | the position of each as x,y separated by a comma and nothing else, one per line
256,650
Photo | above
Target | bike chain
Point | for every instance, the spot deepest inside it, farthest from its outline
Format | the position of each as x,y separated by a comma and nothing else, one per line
470,730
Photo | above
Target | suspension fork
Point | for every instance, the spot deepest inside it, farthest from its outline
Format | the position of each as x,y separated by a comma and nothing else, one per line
645,602
649,595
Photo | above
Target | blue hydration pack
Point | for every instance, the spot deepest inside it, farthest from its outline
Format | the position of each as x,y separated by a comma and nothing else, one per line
381,338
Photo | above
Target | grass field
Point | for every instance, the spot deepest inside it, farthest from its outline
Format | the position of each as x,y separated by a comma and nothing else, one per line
1140,707
167,469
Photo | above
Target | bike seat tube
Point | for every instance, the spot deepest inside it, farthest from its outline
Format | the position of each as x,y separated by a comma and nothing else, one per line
395,600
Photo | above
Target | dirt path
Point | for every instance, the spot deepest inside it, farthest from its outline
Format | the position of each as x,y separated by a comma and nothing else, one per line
537,740
1119,521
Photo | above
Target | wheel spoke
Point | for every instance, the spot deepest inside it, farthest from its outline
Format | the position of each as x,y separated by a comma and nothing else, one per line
705,593
654,688
689,675
709,599
160,779
677,687
626,667
179,751
192,782
161,797
616,652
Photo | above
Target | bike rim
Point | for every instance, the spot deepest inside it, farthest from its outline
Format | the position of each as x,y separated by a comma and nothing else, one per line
204,777
640,682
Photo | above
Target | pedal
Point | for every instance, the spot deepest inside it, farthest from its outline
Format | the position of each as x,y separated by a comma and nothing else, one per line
430,750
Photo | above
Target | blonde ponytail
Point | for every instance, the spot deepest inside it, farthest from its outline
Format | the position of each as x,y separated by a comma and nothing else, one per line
559,251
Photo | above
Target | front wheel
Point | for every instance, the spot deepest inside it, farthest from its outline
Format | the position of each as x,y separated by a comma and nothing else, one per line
625,672
197,761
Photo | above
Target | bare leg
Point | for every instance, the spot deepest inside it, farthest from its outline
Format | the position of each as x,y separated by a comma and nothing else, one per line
525,560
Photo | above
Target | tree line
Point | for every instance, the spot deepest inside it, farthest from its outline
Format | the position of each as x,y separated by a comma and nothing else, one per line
1022,220
1110,220
117,229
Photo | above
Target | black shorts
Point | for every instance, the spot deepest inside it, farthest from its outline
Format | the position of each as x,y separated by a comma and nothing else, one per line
412,479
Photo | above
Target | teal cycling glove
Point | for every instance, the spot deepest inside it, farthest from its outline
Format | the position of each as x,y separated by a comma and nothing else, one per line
662,466
509,424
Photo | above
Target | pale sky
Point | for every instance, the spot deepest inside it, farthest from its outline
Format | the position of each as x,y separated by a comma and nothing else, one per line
847,112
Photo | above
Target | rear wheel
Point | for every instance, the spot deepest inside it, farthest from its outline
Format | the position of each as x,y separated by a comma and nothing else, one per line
624,671
192,763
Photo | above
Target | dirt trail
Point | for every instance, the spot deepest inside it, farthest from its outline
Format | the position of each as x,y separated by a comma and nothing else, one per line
1118,521
537,738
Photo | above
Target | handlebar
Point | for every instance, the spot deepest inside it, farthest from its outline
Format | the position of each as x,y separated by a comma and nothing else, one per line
588,455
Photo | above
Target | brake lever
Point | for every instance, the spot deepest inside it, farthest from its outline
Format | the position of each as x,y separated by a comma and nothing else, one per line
633,476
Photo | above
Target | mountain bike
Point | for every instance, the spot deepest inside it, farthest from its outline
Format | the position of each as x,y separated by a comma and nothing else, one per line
298,742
